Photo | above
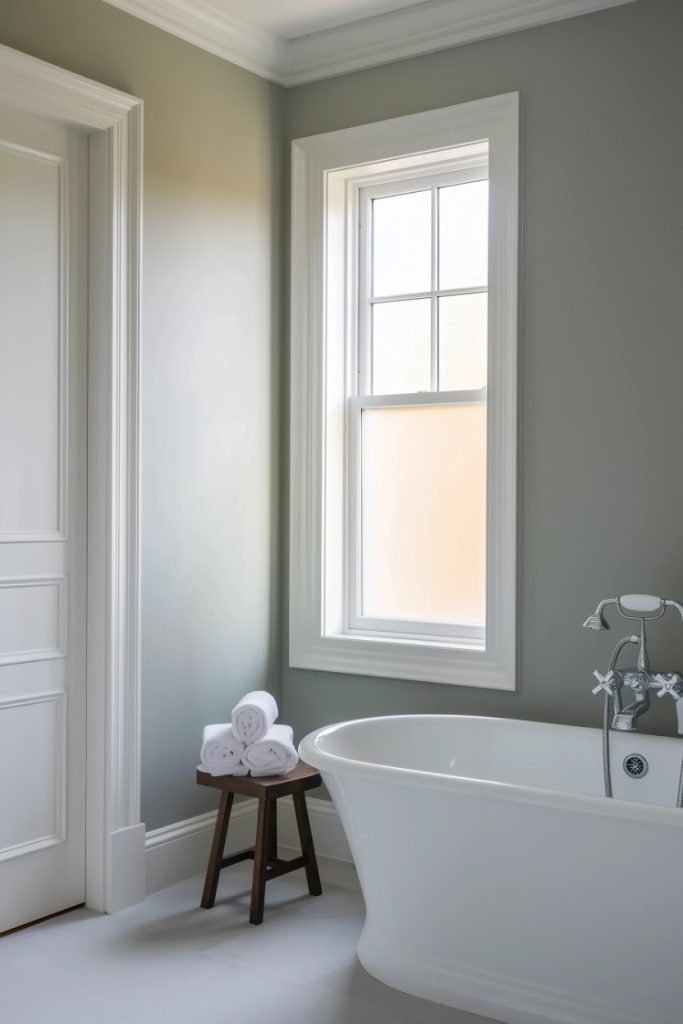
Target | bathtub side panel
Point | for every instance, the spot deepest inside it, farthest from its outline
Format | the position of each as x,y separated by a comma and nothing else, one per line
508,908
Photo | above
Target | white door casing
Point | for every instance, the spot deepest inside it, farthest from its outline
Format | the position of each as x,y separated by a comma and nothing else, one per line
112,123
43,515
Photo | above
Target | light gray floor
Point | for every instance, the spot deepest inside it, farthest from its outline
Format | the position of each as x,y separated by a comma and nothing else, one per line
169,962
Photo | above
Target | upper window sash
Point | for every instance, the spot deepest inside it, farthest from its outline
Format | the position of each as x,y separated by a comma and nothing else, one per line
463,171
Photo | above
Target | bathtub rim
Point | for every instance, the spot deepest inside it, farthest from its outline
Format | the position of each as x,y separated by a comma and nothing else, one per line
338,765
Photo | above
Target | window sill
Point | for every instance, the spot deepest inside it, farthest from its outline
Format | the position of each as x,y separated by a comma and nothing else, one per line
419,660
455,644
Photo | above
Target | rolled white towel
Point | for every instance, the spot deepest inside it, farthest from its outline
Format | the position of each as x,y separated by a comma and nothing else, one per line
221,752
275,754
254,715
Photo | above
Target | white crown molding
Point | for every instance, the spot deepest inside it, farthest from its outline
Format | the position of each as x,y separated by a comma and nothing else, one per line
396,35
201,23
422,28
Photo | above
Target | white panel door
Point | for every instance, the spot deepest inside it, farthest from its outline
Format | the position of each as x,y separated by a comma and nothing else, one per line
43,524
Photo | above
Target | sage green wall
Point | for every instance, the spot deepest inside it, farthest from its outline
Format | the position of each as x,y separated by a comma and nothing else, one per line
601,343
212,178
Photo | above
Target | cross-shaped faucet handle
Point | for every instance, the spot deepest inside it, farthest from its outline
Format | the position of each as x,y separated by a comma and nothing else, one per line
610,683
671,683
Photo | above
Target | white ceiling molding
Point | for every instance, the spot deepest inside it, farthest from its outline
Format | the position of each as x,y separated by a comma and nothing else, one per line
424,27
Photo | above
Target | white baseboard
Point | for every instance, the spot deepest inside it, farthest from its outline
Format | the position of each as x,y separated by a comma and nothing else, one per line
181,850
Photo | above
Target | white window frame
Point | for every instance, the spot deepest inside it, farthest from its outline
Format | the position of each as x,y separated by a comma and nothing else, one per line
329,174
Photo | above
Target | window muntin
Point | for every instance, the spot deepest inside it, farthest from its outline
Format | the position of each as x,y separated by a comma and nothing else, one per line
417,425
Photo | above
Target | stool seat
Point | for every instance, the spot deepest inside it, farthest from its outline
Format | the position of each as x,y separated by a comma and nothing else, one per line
267,864
271,786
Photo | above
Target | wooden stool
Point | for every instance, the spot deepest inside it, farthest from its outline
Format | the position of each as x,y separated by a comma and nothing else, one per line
267,864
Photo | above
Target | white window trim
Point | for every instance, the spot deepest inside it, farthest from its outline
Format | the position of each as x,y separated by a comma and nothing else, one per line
324,267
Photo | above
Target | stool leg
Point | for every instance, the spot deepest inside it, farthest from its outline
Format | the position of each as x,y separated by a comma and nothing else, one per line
217,846
307,847
258,888
272,832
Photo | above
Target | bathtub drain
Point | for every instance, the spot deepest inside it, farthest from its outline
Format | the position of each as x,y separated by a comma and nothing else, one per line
635,765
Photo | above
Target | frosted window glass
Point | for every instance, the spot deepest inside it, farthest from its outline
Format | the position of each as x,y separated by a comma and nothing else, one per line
463,235
424,513
401,347
463,342
402,244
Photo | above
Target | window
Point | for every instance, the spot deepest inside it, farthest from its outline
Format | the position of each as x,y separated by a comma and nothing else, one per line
404,397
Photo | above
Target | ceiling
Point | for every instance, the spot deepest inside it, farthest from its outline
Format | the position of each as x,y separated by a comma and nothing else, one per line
296,41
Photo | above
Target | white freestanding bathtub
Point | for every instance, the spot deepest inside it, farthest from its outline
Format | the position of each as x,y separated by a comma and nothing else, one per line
497,878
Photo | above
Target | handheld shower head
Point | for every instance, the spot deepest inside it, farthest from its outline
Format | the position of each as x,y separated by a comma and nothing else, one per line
597,620
644,607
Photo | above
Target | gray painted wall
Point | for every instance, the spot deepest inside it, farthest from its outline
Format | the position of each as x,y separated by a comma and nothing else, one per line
212,180
601,343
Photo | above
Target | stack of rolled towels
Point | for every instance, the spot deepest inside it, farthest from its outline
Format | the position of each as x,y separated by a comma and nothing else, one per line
251,743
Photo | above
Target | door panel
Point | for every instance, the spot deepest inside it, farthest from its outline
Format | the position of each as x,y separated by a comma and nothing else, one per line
43,521
32,208
32,619
34,799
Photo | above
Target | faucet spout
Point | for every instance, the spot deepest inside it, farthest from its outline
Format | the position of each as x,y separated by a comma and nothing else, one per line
626,720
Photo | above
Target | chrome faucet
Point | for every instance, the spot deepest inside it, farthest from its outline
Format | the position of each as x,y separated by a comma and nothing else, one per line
639,678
